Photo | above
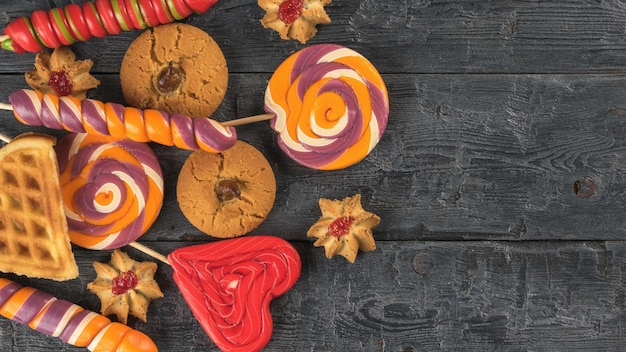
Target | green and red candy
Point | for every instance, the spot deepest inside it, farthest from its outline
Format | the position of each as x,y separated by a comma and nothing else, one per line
73,23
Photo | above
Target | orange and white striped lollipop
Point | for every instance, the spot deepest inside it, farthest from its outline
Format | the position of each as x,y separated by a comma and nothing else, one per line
330,106
112,189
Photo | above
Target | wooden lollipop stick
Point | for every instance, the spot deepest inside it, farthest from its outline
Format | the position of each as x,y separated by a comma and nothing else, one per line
247,120
5,138
149,251
3,38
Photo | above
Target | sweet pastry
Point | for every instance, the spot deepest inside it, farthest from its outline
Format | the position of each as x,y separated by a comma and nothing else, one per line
177,68
230,284
67,321
112,189
34,238
294,19
111,119
344,228
125,286
73,23
227,194
59,73
330,105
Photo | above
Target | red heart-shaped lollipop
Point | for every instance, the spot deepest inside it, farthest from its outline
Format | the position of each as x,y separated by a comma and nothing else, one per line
229,285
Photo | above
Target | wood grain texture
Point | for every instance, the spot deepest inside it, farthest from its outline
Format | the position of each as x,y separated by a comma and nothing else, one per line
499,181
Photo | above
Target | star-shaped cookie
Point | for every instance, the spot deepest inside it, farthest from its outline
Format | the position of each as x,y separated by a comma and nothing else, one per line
125,286
294,19
344,228
64,72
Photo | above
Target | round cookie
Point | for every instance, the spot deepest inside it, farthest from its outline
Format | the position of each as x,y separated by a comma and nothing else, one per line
227,194
177,68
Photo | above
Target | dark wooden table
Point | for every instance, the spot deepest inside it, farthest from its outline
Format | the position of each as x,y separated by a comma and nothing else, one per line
500,180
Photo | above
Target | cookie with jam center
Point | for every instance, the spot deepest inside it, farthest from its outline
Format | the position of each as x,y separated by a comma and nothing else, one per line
177,68
227,194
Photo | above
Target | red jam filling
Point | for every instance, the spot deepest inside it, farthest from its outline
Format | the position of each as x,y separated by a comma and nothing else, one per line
61,83
290,10
341,226
126,280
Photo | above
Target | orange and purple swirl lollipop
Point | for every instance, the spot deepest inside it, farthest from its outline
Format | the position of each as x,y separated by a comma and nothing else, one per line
330,106
112,189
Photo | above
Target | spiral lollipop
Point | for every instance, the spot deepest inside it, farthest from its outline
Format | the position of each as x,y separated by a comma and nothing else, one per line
112,189
330,106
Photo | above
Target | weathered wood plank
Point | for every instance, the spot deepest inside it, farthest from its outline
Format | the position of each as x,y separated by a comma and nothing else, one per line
402,36
407,296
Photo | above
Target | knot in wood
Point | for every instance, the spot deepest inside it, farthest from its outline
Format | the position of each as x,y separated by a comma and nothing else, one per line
584,187
423,264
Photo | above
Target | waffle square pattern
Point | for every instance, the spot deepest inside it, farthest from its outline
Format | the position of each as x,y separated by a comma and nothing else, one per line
34,239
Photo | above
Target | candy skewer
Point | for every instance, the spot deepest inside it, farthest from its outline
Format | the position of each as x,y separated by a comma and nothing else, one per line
110,119
69,322
73,23
231,123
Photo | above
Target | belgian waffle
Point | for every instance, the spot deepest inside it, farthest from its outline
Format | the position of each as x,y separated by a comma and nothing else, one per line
34,239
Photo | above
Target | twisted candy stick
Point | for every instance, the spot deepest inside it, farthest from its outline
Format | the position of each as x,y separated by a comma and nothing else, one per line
330,106
99,18
109,119
67,321
112,189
